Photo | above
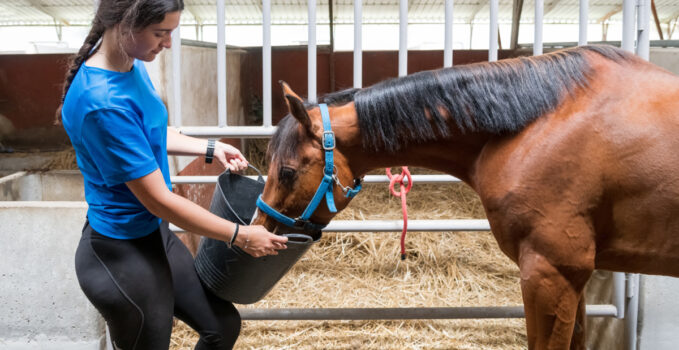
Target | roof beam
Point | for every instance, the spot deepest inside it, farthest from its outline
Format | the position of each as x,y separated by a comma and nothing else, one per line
610,14
475,11
657,21
673,16
550,7
517,8
190,9
36,5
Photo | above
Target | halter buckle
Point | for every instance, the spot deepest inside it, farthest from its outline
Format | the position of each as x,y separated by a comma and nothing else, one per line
328,140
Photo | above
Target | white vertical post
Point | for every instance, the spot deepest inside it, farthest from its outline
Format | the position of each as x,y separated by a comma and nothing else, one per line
643,26
358,44
584,21
537,40
492,45
448,41
632,311
177,76
628,25
619,293
631,318
311,52
266,63
403,38
221,66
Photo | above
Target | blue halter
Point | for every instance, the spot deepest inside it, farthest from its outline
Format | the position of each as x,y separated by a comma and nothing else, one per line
325,189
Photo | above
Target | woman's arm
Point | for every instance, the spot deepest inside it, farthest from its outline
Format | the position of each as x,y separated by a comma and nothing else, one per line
154,195
182,145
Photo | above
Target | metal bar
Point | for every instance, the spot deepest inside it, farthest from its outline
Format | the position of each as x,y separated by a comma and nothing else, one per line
221,65
628,25
382,313
358,44
583,22
653,43
371,179
643,28
619,293
397,226
235,131
402,38
177,76
311,52
413,225
448,40
266,63
425,313
633,280
492,45
632,313
537,39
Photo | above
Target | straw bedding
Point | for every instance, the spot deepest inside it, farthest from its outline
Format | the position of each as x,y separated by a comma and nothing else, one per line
443,269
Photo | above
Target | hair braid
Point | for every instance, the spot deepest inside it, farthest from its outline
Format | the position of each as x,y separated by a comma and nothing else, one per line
76,61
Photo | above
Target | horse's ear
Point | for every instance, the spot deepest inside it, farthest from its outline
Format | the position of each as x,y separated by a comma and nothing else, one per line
287,90
296,106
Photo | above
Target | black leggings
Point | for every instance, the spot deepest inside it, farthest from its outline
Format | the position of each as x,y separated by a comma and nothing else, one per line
138,285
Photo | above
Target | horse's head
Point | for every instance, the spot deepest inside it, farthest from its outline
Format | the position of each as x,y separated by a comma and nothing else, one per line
310,178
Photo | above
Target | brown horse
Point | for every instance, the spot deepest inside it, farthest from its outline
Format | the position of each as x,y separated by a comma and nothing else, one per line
574,154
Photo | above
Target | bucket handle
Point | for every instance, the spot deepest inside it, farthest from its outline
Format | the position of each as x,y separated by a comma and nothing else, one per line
260,179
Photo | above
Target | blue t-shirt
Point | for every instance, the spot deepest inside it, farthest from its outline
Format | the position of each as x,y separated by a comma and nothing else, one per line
118,127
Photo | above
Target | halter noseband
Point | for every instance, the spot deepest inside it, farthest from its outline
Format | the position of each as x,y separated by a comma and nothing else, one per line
325,188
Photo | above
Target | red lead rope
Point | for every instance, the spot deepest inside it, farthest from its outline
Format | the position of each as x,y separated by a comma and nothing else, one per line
405,174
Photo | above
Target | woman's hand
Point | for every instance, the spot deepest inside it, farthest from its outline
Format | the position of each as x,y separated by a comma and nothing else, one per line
181,145
230,157
257,241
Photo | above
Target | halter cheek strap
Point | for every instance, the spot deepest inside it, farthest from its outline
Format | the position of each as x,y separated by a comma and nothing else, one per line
325,188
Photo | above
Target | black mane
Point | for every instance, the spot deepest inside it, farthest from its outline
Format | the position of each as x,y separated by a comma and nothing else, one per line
497,98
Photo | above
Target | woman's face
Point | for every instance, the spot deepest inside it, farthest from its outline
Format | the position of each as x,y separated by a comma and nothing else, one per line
146,43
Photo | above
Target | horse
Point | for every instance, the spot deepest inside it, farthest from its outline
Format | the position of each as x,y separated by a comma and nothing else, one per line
574,155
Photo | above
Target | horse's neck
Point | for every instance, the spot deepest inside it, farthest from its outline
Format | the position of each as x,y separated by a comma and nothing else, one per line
455,156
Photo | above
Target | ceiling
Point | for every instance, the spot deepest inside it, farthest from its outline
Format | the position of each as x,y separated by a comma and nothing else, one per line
244,12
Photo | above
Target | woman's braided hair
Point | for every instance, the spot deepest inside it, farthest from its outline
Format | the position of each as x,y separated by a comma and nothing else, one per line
129,15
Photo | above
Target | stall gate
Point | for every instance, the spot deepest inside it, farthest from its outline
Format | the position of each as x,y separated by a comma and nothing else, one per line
636,15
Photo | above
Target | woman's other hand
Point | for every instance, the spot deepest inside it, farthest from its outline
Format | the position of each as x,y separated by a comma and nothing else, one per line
230,157
257,241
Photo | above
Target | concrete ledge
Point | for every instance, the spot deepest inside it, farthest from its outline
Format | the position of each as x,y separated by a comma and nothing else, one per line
41,304
54,185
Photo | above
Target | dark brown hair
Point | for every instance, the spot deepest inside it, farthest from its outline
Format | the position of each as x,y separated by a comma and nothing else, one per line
130,14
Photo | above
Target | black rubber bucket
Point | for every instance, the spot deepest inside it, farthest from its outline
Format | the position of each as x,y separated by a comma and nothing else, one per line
230,273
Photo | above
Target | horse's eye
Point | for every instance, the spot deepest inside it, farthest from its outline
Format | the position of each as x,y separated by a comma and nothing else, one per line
286,175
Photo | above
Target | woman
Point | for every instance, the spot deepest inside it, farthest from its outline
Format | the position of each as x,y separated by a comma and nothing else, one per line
131,267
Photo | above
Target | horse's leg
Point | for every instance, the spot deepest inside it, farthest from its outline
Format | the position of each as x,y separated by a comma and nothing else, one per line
578,340
551,298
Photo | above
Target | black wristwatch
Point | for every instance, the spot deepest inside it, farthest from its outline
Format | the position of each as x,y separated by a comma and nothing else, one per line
209,153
